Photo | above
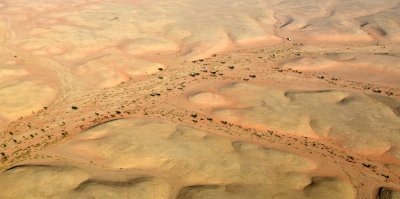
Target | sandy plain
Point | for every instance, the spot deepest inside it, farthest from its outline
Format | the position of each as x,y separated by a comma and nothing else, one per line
199,99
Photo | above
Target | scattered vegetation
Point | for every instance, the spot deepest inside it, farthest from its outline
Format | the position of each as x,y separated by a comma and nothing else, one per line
368,165
377,91
155,94
194,74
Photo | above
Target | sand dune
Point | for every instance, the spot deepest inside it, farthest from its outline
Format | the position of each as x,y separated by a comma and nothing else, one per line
182,161
111,70
360,122
199,99
156,159
24,87
335,20
140,30
208,99
22,98
380,26
89,29
361,67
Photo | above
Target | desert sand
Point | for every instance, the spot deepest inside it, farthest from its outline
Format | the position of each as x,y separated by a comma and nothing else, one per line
200,99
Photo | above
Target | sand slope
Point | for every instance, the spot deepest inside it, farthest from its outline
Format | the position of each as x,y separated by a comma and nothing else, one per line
156,159
381,68
24,86
363,123
337,20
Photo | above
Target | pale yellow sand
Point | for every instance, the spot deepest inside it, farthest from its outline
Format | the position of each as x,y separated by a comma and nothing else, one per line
214,99
165,160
